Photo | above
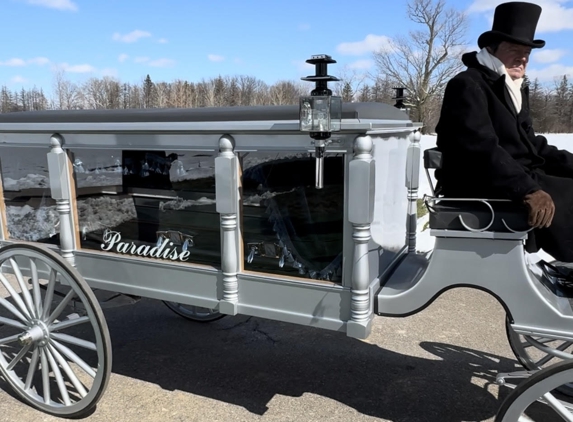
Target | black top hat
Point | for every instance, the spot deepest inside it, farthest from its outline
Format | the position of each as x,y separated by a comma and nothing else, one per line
514,22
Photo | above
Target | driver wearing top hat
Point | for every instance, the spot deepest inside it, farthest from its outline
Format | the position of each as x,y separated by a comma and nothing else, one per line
489,147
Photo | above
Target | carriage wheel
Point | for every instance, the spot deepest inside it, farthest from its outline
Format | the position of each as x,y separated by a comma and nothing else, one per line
194,313
535,353
539,396
55,349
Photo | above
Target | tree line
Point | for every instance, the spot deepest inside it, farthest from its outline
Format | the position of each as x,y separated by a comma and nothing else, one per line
551,106
110,93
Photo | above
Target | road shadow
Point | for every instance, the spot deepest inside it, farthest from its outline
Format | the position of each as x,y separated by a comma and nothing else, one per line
246,361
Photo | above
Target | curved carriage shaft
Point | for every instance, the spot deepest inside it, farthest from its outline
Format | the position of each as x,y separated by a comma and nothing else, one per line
538,398
54,358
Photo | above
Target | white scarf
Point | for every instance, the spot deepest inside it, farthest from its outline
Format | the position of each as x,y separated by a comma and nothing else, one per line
513,86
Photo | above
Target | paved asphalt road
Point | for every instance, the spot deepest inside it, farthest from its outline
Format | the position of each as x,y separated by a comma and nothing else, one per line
436,366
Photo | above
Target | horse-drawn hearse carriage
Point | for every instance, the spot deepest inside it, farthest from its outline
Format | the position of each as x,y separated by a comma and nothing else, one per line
226,211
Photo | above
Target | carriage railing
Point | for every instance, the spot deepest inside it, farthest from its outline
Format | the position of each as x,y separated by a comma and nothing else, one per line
510,210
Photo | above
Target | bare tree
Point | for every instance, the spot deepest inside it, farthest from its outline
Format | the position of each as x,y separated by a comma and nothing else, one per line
67,93
426,59
350,82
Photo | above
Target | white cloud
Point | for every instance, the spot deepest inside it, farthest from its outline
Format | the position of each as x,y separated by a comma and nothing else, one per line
78,68
361,64
162,40
55,4
550,73
40,61
18,79
122,58
303,66
547,56
109,71
141,59
215,58
162,63
132,37
555,16
369,44
17,62
13,62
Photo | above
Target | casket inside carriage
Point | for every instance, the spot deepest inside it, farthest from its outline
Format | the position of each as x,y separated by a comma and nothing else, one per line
288,226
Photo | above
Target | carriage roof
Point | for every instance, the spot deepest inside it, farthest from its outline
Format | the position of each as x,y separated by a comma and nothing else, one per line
352,111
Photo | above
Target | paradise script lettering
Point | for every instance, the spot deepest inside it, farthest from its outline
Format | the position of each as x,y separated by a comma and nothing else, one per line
112,243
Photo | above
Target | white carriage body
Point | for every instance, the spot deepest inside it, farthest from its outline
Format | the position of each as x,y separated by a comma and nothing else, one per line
169,204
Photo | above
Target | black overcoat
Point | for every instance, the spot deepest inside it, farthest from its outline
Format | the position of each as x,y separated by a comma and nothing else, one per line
491,151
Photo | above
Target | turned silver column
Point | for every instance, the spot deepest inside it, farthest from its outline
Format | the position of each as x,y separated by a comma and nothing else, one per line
361,181
226,192
412,184
61,192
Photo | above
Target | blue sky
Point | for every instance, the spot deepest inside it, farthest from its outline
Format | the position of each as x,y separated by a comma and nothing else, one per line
195,39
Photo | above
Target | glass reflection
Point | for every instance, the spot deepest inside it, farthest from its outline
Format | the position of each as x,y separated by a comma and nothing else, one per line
30,211
152,204
289,226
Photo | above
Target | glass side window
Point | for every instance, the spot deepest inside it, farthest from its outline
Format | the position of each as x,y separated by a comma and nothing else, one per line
30,211
289,226
151,204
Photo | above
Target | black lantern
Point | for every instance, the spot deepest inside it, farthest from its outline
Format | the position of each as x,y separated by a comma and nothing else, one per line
400,97
321,112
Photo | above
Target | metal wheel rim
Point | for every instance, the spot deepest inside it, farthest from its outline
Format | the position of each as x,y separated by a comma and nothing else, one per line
195,313
519,345
539,387
95,320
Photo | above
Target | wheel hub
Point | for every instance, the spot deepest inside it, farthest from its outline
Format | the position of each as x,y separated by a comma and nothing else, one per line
37,333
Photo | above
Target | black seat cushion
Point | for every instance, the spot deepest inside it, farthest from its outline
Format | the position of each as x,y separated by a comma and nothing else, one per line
477,215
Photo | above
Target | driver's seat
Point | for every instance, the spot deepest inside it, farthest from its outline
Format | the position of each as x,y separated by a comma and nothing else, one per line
471,214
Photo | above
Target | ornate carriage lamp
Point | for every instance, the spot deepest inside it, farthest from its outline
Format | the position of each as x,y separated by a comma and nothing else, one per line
321,113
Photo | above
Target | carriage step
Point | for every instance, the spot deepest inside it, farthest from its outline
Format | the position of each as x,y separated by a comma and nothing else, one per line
562,272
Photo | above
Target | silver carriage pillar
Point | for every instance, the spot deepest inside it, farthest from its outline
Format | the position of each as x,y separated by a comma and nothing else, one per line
361,182
226,194
60,187
412,184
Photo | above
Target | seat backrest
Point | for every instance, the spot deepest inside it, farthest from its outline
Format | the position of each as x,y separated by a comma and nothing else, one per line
432,160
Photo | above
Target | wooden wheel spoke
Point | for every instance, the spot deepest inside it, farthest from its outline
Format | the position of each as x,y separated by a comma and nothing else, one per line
558,407
11,308
8,340
59,379
61,307
49,294
69,371
18,357
69,323
75,341
14,295
36,287
24,287
73,357
45,376
32,368
12,323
